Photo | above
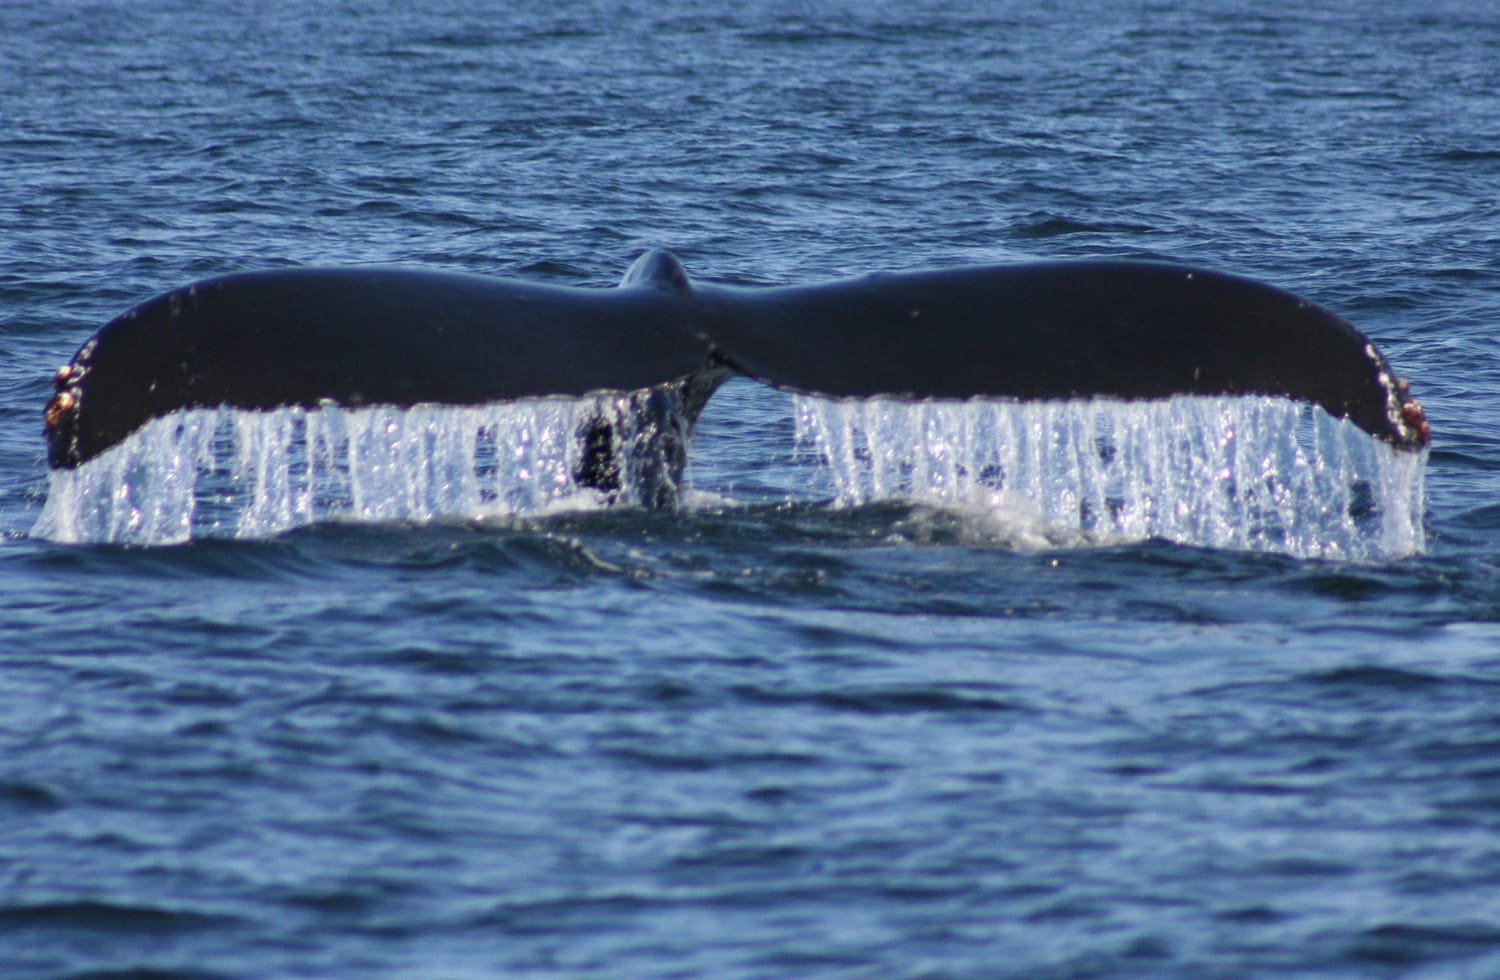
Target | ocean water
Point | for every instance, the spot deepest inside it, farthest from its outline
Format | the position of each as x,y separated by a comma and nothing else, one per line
847,712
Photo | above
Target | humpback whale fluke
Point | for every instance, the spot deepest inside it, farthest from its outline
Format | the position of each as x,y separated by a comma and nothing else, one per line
379,336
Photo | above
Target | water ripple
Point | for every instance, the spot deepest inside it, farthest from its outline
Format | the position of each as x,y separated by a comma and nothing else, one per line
767,735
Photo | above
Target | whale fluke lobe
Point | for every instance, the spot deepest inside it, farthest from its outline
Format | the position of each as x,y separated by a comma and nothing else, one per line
357,337
1066,330
361,337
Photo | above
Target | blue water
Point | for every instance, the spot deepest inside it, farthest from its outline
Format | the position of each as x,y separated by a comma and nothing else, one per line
768,735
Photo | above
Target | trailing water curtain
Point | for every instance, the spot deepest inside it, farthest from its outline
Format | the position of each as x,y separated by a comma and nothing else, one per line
357,337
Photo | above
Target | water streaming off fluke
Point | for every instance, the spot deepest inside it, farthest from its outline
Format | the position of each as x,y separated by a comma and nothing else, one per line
224,473
1246,473
1256,474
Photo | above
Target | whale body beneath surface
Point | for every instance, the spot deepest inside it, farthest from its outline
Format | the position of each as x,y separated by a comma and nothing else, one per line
371,336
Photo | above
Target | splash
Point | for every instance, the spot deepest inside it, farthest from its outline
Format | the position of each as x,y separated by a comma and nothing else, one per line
1258,474
1245,473
223,473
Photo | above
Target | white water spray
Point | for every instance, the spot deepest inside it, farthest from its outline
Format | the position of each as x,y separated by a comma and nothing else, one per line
224,473
1246,473
1258,474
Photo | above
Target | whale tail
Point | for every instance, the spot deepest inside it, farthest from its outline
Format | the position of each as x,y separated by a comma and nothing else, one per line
1066,330
361,337
366,337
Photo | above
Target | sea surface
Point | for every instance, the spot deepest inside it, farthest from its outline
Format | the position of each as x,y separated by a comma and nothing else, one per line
801,726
